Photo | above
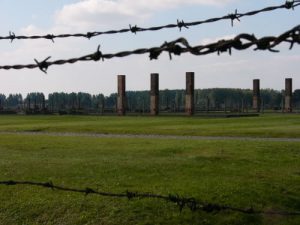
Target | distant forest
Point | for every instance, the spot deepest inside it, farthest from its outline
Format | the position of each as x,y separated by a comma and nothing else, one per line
215,99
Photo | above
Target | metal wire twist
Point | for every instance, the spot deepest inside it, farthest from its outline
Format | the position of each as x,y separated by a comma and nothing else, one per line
178,47
181,202
135,29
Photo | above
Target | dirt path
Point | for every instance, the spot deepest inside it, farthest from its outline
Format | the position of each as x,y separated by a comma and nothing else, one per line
152,136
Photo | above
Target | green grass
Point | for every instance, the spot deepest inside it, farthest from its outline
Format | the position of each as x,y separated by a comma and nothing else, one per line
265,175
263,126
262,174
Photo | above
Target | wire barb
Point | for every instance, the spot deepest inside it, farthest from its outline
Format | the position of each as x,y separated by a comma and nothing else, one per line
131,195
43,66
234,16
154,53
89,191
12,36
89,35
181,24
265,44
97,55
49,185
172,48
50,37
134,29
290,4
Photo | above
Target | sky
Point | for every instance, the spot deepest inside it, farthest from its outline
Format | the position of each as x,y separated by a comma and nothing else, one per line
36,17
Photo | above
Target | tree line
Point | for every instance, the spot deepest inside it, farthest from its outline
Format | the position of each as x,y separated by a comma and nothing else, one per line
139,101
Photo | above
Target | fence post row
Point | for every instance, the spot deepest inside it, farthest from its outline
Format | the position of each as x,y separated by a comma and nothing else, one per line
189,95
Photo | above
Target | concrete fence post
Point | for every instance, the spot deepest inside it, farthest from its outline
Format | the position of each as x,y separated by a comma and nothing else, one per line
121,99
256,95
154,94
288,95
189,95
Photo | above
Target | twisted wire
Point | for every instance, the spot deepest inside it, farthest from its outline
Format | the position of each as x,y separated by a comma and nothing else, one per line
178,47
135,29
181,202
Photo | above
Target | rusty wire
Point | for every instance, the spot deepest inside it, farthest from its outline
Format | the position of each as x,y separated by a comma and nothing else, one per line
178,47
181,202
289,4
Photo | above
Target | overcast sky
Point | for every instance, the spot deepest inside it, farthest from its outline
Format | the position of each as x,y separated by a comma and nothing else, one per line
69,16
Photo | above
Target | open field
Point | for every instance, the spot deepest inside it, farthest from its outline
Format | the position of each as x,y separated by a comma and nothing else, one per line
260,174
277,125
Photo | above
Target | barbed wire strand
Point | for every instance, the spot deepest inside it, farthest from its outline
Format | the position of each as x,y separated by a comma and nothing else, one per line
178,47
181,202
180,24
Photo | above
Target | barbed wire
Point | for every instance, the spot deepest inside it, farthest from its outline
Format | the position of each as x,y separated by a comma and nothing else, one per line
289,4
181,202
178,47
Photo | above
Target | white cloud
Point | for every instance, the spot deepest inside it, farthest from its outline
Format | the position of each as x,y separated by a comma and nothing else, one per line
30,30
101,12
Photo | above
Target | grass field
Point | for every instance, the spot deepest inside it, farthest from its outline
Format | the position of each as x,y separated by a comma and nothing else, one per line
260,174
264,126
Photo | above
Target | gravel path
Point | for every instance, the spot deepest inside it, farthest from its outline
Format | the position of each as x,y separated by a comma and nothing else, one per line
152,136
